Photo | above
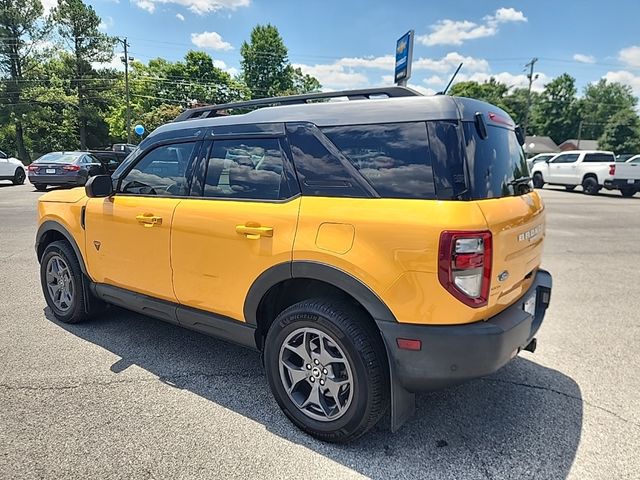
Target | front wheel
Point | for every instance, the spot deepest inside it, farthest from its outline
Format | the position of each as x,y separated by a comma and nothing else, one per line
327,368
19,177
538,181
61,280
590,186
628,192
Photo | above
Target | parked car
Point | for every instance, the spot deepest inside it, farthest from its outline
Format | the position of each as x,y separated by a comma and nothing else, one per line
111,158
624,157
351,243
12,169
633,159
625,177
592,169
64,168
541,157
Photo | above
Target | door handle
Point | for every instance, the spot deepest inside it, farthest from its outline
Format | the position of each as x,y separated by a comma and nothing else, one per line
149,220
254,233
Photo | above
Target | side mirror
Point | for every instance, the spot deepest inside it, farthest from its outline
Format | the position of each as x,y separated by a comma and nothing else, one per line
520,135
99,186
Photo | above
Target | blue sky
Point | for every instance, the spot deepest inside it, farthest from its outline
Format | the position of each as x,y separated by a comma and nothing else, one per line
349,44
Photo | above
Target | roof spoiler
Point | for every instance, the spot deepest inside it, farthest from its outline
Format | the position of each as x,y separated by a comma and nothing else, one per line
210,111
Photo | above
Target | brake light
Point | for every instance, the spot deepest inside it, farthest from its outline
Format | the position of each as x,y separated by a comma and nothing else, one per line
612,169
71,168
32,168
464,266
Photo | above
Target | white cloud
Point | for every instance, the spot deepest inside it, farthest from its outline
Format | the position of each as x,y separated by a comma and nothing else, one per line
335,75
180,17
582,58
434,80
48,5
450,61
455,32
387,79
626,78
114,63
200,7
211,40
223,66
386,62
630,56
106,24
422,90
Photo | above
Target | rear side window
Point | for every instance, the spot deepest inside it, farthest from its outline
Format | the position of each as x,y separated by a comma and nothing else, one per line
394,158
566,158
246,168
599,157
495,162
447,154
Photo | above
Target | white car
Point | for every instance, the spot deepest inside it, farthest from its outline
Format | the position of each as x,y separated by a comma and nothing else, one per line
635,160
593,169
12,169
541,157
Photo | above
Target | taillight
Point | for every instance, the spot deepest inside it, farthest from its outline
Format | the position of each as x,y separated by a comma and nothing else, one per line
612,169
464,266
32,168
71,168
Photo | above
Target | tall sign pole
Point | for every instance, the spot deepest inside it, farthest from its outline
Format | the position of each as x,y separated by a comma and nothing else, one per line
126,60
404,57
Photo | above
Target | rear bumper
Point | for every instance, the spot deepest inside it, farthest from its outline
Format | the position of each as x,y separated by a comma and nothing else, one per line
456,353
620,183
69,179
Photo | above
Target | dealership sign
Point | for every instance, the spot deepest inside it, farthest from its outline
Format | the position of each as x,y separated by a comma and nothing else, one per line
404,56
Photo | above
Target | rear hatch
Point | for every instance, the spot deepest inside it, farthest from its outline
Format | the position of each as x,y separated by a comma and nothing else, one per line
499,183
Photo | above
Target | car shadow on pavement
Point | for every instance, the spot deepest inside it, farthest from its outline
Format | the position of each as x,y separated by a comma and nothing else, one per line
523,422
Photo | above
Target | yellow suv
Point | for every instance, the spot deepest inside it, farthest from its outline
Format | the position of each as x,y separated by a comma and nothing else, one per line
369,248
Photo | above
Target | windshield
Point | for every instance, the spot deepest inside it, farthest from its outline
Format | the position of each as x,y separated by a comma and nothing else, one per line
497,166
60,157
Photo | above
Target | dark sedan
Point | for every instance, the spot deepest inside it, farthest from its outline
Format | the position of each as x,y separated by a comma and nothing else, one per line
65,169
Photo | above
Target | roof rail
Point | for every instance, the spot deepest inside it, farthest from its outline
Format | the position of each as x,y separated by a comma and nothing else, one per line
365,93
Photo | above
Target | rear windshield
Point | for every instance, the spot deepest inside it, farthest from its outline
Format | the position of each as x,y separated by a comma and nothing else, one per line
59,157
496,164
599,158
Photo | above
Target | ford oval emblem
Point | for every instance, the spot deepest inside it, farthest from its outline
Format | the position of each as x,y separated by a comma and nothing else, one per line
503,276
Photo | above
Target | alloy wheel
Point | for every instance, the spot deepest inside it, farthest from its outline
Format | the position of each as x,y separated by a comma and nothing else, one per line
60,284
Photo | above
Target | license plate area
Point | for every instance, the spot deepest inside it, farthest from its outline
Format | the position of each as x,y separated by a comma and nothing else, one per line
50,170
631,181
529,304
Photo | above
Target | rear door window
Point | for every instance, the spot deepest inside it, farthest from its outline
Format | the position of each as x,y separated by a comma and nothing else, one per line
599,157
566,158
394,157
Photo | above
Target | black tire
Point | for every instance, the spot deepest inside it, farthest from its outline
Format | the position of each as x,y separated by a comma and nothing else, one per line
76,311
538,181
570,188
628,192
350,329
590,186
40,187
19,176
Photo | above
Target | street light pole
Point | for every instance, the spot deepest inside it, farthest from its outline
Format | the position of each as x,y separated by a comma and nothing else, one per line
531,79
125,60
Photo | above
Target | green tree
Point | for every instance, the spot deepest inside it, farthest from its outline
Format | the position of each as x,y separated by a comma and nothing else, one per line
557,113
622,133
491,91
601,101
302,82
78,24
265,63
516,104
21,29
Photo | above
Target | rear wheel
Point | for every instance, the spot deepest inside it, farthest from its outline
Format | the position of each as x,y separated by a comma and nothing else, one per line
590,186
61,280
19,176
40,187
628,192
538,181
327,369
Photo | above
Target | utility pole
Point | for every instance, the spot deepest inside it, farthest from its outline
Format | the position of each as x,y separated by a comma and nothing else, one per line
126,60
579,135
531,80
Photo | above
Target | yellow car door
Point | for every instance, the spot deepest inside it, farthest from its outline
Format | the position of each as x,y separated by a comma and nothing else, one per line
244,223
128,235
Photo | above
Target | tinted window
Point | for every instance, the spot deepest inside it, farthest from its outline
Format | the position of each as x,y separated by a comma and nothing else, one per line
635,160
246,169
320,171
566,158
163,171
494,162
394,158
447,156
60,157
599,157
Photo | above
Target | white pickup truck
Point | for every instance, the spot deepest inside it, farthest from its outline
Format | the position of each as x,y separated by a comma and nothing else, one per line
592,169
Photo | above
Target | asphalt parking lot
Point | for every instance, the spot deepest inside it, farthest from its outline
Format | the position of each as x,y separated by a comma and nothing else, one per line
126,396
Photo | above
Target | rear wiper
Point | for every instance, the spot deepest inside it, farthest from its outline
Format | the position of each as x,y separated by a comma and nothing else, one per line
520,181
